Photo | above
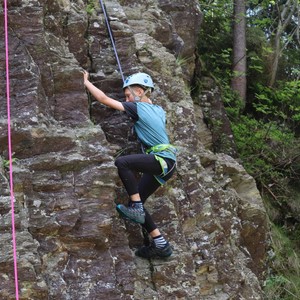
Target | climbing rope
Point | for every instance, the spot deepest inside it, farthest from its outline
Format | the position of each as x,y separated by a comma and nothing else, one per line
111,38
12,198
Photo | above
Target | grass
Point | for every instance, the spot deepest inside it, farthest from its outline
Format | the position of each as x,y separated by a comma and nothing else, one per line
284,282
183,61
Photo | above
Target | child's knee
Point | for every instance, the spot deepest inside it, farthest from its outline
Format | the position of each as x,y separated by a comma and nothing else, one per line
119,162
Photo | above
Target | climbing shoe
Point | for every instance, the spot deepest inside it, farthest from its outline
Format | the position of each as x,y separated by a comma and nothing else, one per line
133,213
152,251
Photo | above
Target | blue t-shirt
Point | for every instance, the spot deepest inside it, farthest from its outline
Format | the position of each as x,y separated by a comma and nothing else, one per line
150,125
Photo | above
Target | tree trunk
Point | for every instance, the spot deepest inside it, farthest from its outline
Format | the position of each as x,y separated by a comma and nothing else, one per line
239,68
276,55
285,13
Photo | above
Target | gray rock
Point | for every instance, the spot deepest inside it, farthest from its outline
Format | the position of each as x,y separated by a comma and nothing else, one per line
71,244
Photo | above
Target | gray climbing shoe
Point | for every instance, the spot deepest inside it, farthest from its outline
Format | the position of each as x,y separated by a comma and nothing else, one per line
135,214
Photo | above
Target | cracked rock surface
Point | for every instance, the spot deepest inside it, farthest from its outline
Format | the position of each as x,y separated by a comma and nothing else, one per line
71,244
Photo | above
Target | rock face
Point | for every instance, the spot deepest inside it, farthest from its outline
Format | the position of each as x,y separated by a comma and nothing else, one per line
71,244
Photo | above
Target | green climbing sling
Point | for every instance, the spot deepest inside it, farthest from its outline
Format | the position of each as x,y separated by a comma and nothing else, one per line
160,148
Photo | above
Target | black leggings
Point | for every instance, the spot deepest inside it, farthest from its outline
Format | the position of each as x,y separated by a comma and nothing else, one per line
149,166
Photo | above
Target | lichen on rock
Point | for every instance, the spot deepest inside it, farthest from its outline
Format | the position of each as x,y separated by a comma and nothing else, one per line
71,243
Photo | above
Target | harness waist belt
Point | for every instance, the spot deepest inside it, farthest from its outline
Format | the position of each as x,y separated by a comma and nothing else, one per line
162,147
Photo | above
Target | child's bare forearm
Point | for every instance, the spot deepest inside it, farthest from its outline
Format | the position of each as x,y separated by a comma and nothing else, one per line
101,96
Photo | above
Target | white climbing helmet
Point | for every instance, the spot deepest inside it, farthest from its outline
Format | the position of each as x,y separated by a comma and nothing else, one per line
142,79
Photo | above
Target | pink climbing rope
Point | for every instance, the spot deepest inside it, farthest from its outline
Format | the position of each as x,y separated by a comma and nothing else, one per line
12,198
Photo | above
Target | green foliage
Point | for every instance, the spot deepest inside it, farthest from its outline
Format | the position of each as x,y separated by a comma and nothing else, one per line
232,103
6,163
267,131
290,64
279,287
281,104
258,53
90,7
266,135
284,282
263,148
278,20
215,43
183,61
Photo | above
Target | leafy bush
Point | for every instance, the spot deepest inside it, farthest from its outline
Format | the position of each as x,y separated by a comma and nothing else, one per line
264,149
281,104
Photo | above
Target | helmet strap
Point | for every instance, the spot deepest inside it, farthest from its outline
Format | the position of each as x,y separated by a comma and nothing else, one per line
139,98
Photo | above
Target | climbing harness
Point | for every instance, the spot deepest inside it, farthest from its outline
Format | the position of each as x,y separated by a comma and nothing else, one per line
165,171
162,162
162,147
111,37
12,198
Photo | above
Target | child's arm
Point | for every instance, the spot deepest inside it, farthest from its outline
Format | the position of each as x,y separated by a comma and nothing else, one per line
99,95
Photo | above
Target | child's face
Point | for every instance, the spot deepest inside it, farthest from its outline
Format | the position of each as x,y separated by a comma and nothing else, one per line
129,95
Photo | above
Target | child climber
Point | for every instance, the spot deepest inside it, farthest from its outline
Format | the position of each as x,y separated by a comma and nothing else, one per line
157,163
